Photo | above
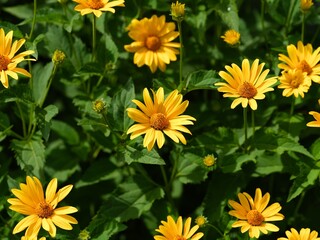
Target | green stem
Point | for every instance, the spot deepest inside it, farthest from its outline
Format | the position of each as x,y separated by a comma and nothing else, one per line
302,26
53,73
292,106
164,175
94,37
217,229
245,126
23,122
181,52
33,19
253,125
288,21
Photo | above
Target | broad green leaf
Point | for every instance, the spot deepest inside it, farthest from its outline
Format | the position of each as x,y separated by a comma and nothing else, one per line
110,51
44,117
66,131
315,149
41,76
201,79
228,11
17,93
131,199
140,155
20,11
99,229
117,112
268,162
30,155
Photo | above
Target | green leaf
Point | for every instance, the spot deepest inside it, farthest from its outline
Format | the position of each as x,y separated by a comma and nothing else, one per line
117,112
131,199
44,117
228,11
99,229
41,76
201,79
110,52
141,155
268,162
66,131
315,149
20,11
30,155
17,93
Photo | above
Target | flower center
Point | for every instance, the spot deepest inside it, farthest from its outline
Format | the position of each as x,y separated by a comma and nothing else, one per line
247,90
44,210
95,4
158,121
153,43
255,218
4,61
304,66
296,81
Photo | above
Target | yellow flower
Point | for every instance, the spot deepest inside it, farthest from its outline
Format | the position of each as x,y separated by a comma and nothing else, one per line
295,82
177,11
231,37
152,42
254,215
304,234
97,6
303,58
173,230
201,221
305,5
246,85
209,160
58,57
316,116
33,238
158,117
41,210
8,58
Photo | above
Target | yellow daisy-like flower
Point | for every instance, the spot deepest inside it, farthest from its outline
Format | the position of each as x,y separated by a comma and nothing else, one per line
173,230
9,59
254,215
158,117
97,6
201,221
33,238
209,160
315,123
177,11
231,37
153,44
304,58
246,85
295,82
41,209
305,5
305,234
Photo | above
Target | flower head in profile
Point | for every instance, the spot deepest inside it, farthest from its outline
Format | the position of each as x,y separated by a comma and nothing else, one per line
9,58
303,58
177,11
304,234
315,123
176,230
305,5
232,37
97,6
245,84
153,44
41,209
295,82
158,117
254,215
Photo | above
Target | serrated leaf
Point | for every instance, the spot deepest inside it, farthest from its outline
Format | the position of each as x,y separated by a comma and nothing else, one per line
315,149
30,155
141,155
201,79
117,112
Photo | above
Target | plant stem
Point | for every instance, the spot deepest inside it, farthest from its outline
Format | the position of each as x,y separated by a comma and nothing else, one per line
53,73
217,229
245,126
23,122
288,21
302,26
94,37
164,175
180,87
33,19
253,125
292,106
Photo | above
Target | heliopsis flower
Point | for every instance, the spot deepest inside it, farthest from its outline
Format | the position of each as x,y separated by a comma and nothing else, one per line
158,117
33,238
316,116
209,160
304,58
231,37
305,5
254,215
201,221
153,44
41,209
173,230
246,85
177,11
295,82
97,6
9,59
304,234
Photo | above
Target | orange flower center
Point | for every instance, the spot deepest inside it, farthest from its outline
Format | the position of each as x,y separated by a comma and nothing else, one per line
4,61
158,121
95,4
296,81
44,210
153,43
254,218
304,66
247,90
